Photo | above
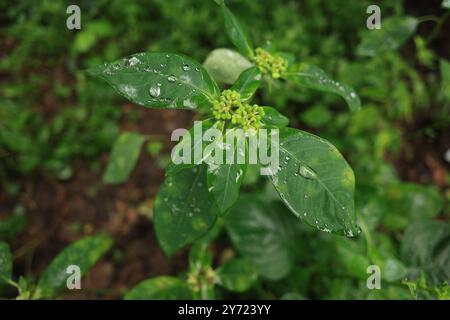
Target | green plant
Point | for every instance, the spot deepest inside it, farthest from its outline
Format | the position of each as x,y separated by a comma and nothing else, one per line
311,170
83,253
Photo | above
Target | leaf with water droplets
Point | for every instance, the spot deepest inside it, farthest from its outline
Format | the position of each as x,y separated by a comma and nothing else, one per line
183,209
236,32
160,80
225,65
393,34
123,158
273,118
265,234
5,262
224,180
84,253
160,288
312,77
248,82
315,182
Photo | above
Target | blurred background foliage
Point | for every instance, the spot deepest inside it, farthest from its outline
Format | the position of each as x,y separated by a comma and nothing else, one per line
54,119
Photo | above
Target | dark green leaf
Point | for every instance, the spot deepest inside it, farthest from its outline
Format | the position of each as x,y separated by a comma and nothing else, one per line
84,253
237,275
161,288
5,262
236,33
160,80
425,248
123,158
248,82
312,77
189,144
315,182
393,34
265,234
274,118
224,180
225,65
183,209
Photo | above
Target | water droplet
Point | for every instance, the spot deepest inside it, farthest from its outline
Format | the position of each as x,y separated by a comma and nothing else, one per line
171,78
186,67
307,172
155,91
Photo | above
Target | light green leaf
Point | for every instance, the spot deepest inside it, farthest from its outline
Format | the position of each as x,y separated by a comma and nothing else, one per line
236,33
237,275
315,182
160,80
266,235
274,118
123,158
84,253
425,247
224,180
310,76
394,270
446,4
393,34
225,65
248,82
5,262
183,210
161,288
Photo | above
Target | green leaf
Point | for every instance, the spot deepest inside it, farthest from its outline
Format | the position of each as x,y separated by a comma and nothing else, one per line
237,275
313,77
224,180
394,270
189,144
236,33
5,262
315,182
124,156
161,288
248,82
393,34
84,253
446,4
265,234
274,118
225,65
183,209
160,80
425,247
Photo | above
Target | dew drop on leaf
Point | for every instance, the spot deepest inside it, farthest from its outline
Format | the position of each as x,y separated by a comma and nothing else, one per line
155,91
307,173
